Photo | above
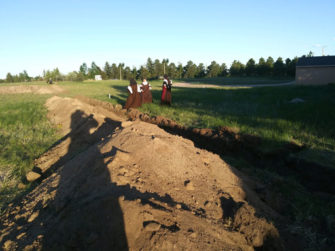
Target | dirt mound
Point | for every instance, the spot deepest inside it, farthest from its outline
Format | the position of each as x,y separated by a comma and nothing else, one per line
131,185
38,89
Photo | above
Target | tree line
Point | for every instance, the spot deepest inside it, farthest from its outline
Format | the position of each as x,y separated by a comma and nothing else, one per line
154,69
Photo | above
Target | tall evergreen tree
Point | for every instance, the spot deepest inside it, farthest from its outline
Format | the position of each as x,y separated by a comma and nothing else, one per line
190,70
237,68
279,67
143,72
223,70
261,67
158,69
114,71
9,78
180,70
83,70
201,71
250,68
151,68
172,71
269,66
108,70
213,70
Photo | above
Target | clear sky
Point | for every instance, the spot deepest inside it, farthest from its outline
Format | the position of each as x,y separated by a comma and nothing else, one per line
37,35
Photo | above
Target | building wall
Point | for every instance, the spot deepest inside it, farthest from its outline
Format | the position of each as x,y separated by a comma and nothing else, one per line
315,75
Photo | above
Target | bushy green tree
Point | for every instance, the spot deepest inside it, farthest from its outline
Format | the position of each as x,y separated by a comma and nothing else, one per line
9,78
180,70
291,67
114,71
83,70
143,73
151,68
172,71
237,68
213,70
269,66
261,67
190,70
223,70
158,69
108,70
250,68
279,67
201,71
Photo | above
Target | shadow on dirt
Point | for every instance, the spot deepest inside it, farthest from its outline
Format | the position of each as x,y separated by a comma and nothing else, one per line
81,209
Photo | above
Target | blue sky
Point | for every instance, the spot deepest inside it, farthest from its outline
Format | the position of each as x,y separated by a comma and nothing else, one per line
37,35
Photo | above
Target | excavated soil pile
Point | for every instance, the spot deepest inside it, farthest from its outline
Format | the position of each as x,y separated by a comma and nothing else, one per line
38,89
121,185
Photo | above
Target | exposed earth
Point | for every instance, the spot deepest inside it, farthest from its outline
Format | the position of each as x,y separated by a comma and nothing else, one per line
116,184
31,89
191,85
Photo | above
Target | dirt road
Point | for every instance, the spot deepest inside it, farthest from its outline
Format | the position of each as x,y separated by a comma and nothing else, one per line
189,85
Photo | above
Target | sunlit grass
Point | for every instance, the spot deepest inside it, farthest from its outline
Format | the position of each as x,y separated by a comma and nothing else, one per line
25,133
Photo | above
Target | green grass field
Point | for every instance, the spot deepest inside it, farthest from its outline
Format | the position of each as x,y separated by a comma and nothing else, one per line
25,133
264,111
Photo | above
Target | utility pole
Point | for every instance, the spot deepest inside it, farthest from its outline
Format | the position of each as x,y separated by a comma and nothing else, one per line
120,73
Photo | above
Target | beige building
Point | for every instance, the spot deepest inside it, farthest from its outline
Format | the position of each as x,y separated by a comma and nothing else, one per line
315,70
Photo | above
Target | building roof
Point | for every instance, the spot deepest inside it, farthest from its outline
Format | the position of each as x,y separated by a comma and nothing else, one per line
316,61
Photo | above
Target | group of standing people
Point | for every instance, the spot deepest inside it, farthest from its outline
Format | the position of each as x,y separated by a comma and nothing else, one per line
141,94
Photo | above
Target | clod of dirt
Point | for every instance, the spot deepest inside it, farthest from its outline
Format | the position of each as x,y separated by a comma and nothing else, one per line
151,226
188,185
32,176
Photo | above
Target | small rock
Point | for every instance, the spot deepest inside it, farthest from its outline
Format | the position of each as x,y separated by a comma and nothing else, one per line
152,226
126,123
9,245
118,107
21,186
32,176
20,236
178,206
33,216
193,235
188,185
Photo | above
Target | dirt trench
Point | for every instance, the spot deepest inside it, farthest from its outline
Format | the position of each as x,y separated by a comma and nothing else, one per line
118,184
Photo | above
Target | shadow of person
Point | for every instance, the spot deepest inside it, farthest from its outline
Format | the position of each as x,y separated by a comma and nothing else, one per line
77,207
81,219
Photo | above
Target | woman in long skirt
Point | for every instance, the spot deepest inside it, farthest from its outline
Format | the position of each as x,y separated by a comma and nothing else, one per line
166,91
134,98
146,92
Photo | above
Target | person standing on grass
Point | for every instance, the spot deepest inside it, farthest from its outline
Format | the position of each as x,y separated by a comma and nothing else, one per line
146,92
134,98
166,91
